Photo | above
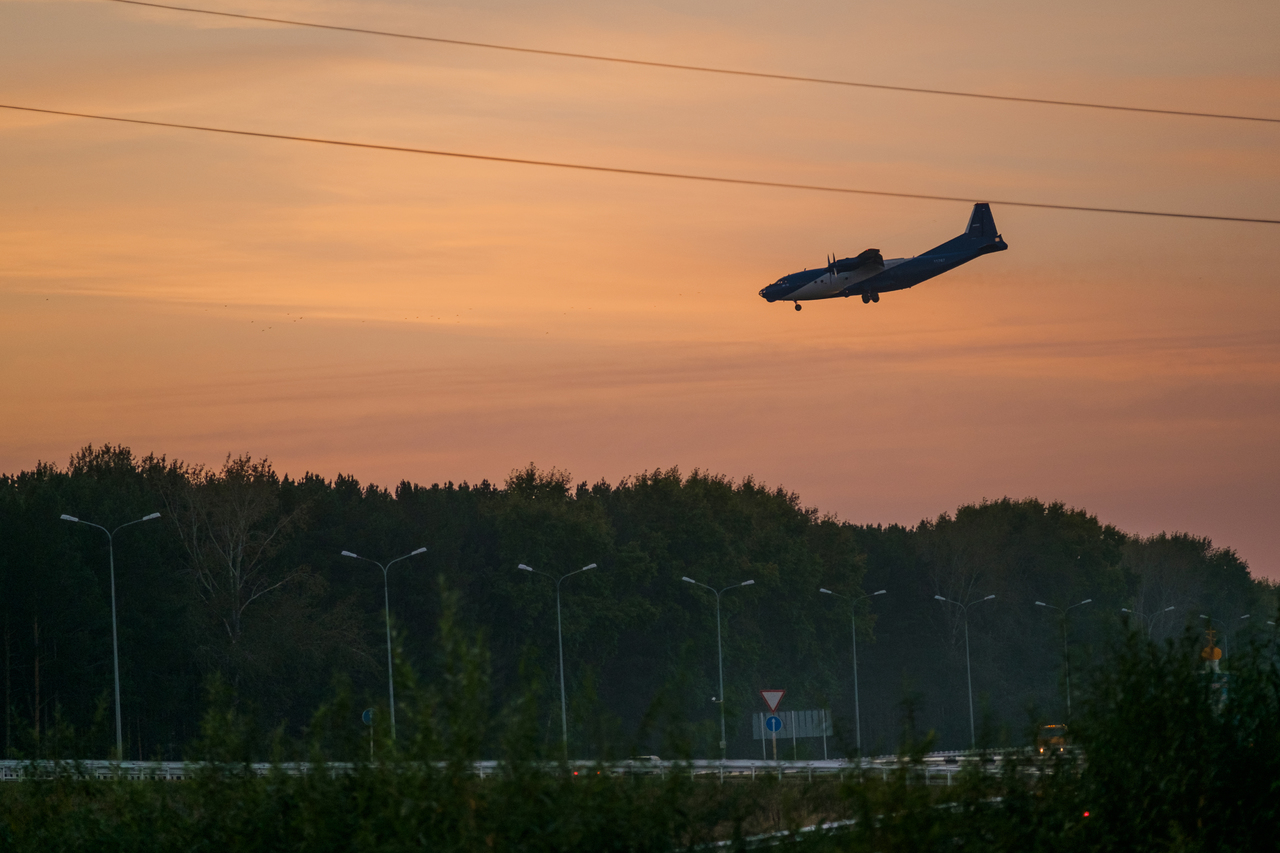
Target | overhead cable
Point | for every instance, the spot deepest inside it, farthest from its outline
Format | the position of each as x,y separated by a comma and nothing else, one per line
645,173
793,78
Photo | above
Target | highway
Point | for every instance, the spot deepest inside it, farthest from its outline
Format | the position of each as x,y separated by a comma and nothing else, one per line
936,768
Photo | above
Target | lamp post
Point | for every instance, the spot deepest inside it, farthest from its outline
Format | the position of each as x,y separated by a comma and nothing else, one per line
724,741
115,645
564,714
1151,623
964,608
1066,657
386,602
853,621
1237,622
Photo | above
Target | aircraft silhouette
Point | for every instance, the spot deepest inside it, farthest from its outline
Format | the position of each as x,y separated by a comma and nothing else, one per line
869,275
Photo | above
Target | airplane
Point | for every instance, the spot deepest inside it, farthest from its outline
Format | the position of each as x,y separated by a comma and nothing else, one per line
869,275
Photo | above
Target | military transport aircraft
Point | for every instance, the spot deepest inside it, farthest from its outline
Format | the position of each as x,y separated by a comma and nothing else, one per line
869,275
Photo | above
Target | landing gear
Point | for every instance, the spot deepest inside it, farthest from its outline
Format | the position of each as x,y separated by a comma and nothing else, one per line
797,306
875,297
866,297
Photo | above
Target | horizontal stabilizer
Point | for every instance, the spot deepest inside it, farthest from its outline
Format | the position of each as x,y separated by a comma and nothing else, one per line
979,236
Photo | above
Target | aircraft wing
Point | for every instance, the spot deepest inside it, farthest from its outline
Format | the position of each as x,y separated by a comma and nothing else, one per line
869,261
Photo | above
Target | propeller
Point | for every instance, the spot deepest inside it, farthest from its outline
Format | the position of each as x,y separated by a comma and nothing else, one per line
831,265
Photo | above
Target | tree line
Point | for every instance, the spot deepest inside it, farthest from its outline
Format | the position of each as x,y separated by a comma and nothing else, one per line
241,583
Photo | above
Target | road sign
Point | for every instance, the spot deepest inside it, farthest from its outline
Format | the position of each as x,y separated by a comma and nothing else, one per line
773,723
816,723
772,698
367,716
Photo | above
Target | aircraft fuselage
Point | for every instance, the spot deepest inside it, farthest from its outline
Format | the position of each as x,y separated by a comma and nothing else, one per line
868,275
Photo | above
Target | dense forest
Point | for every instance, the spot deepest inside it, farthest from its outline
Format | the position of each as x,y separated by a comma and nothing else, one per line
240,589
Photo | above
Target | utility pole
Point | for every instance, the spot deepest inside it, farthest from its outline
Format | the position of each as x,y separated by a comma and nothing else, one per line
386,600
1066,656
964,608
724,740
853,621
564,713
115,643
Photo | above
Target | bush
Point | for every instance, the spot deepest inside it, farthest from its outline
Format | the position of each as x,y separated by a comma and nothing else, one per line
1167,757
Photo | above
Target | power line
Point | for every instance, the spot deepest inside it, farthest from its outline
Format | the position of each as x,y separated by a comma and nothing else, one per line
793,78
618,170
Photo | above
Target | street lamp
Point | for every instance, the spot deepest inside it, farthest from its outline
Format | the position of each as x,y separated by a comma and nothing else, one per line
1151,623
564,714
724,741
964,608
386,601
1066,657
115,645
853,621
1237,622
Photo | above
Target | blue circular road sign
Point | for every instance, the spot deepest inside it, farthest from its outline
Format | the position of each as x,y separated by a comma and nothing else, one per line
367,717
773,723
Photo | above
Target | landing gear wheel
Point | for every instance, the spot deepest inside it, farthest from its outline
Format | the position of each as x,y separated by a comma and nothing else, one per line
875,297
866,297
797,306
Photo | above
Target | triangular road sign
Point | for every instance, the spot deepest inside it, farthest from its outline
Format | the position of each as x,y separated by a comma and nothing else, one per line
772,698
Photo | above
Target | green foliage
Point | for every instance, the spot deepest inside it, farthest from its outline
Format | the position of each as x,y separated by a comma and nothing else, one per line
1163,759
243,578
1181,757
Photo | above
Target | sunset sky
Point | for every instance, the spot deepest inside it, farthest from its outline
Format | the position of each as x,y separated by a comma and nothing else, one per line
395,316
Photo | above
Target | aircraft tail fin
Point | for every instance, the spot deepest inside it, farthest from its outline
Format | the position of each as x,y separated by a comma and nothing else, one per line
981,223
979,236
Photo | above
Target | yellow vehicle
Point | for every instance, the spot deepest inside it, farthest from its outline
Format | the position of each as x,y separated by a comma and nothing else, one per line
1052,738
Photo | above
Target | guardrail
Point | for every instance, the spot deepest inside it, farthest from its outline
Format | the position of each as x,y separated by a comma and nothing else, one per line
936,768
